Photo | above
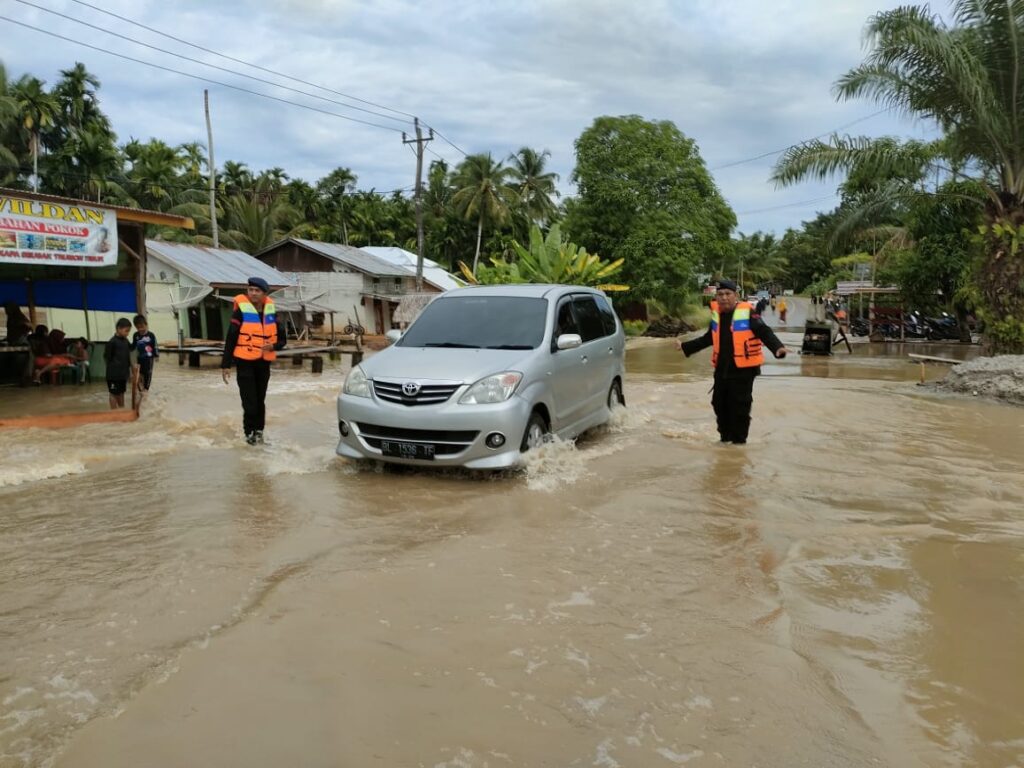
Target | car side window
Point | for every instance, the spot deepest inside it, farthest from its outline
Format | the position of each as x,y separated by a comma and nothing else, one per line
565,321
607,314
589,316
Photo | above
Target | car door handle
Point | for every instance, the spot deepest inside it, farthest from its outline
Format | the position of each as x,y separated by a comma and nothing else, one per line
583,358
611,350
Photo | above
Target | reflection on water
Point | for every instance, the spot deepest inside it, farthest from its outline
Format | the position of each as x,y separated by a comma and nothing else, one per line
842,591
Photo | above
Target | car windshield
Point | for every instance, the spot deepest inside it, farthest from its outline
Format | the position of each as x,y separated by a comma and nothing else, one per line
480,322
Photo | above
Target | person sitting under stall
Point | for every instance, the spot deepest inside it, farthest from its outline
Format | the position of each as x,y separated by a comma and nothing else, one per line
18,326
49,351
78,350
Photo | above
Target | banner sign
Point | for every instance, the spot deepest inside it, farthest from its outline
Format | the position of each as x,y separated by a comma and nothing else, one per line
56,234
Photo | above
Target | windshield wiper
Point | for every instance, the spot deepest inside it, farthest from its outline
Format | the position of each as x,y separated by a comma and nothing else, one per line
511,346
451,344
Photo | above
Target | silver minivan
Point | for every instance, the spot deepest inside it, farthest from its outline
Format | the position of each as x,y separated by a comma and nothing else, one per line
484,375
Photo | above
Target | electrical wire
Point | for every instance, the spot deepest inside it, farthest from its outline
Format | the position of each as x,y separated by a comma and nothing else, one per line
239,61
207,64
788,205
199,77
797,144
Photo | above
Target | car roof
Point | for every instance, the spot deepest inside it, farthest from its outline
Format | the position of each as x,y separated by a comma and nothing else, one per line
527,290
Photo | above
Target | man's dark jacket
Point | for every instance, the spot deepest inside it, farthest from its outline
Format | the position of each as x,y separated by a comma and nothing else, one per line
726,368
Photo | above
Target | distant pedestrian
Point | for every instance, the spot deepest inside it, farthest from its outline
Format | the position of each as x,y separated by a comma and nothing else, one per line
253,339
118,358
782,310
735,335
146,352
771,303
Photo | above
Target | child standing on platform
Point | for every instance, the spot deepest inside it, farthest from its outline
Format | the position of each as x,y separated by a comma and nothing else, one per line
146,353
118,357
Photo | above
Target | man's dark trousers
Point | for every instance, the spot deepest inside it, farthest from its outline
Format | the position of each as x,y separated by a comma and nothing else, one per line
732,400
253,377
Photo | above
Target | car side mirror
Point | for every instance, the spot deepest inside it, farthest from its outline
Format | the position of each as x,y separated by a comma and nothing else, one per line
569,341
393,335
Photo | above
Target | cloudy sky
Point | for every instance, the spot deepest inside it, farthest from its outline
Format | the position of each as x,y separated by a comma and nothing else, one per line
741,77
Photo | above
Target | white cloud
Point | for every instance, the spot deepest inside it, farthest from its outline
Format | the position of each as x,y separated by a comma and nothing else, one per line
738,76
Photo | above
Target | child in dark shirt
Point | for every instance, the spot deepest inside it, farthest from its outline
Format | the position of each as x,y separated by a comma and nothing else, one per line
146,353
118,357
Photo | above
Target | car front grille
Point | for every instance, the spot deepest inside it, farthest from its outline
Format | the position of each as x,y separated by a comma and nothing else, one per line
428,394
445,442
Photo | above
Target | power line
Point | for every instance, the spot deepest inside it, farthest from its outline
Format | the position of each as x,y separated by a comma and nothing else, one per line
804,141
240,61
788,205
447,140
199,77
207,64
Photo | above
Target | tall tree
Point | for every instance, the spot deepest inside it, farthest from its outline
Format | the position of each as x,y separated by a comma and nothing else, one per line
482,193
9,126
534,185
37,110
967,77
645,196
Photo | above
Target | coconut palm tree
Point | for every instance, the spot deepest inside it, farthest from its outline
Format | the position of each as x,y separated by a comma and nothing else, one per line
88,165
966,76
8,126
155,174
535,187
482,192
37,111
194,160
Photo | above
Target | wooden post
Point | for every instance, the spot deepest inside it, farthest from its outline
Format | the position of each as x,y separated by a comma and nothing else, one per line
318,364
212,169
296,360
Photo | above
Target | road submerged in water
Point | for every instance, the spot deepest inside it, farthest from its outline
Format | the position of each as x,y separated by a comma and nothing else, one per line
845,590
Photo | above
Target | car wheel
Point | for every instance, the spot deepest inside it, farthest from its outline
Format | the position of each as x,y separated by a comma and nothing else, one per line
536,432
615,398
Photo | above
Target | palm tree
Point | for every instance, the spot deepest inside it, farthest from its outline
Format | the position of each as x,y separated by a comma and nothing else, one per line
8,125
334,187
482,192
194,159
36,111
252,222
968,77
88,165
76,97
534,186
235,177
155,173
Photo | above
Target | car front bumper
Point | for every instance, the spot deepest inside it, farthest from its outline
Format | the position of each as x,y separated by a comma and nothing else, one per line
458,432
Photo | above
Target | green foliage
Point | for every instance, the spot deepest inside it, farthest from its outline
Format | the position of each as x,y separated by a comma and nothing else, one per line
645,196
634,327
548,259
967,77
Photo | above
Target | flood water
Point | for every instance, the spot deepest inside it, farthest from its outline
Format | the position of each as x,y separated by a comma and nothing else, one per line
845,590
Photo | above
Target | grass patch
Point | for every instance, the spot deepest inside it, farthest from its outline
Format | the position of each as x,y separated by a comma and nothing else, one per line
634,327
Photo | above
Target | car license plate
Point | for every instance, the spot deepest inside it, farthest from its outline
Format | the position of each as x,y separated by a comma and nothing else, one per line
400,450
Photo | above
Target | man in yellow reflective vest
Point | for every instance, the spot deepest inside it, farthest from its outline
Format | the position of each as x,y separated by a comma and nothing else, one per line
254,336
736,335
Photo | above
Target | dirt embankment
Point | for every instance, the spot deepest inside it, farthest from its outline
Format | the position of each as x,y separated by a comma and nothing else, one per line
1000,377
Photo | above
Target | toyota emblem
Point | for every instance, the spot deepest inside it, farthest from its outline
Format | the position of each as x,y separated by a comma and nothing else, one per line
410,389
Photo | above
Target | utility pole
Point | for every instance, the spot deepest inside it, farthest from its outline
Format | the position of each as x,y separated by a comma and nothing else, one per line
420,143
212,168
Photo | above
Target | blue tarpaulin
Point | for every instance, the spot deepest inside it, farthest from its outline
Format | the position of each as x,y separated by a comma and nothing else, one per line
99,295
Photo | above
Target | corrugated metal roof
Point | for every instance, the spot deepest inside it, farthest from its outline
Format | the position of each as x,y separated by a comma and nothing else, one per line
215,266
354,257
432,271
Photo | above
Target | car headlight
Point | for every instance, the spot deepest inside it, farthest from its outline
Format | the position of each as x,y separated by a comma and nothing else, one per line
356,383
494,389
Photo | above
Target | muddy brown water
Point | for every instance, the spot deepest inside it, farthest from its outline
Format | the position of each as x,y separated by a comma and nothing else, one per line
845,590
